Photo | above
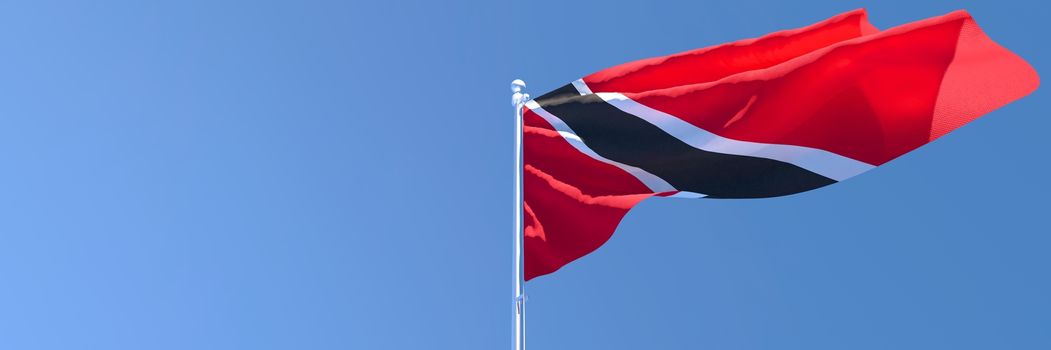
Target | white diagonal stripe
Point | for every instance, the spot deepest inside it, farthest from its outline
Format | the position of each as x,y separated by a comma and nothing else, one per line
656,184
687,195
819,161
582,87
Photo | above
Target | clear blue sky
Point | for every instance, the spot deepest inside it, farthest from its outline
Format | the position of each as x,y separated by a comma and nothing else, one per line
336,175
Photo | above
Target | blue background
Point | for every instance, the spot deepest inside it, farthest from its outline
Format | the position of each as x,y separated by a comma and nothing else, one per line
337,175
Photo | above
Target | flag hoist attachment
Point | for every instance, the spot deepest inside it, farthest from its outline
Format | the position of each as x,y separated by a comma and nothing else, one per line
518,99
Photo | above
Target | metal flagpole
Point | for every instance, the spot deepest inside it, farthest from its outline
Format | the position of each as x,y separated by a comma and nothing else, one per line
518,100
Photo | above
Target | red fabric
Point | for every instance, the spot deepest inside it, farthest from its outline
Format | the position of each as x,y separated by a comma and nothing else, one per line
983,76
572,202
870,98
716,62
839,85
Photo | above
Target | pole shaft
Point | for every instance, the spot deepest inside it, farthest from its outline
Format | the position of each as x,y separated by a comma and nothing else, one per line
518,100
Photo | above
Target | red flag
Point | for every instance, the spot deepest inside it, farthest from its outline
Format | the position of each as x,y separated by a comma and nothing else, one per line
785,113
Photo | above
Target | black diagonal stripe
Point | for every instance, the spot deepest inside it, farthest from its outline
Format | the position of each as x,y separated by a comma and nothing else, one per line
628,139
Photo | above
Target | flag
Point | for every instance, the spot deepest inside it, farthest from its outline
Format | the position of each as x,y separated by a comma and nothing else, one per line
785,113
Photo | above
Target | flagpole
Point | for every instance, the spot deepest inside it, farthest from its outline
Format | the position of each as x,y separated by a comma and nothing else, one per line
518,100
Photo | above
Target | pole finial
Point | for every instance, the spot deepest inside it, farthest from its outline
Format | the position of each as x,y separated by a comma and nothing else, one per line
517,85
519,98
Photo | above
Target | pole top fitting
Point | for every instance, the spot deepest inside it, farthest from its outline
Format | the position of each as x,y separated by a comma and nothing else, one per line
517,85
519,98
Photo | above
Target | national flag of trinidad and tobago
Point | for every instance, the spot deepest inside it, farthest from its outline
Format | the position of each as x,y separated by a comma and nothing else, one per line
785,113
